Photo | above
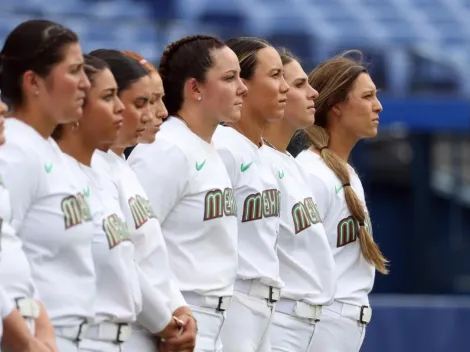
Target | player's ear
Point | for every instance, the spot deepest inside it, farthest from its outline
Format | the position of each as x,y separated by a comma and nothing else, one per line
193,89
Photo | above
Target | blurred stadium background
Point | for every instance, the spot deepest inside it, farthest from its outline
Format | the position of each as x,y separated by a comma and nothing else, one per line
416,173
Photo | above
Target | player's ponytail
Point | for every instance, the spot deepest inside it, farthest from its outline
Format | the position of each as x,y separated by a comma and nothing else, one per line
333,80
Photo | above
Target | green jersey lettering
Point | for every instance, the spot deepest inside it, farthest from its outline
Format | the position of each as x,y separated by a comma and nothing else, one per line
347,231
116,230
75,209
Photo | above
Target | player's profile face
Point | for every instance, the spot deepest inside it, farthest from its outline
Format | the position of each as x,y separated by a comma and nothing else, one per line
223,90
267,89
158,110
62,92
300,108
102,113
360,111
136,100
3,110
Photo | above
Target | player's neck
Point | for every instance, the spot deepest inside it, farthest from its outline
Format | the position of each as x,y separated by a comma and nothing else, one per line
74,145
200,125
117,150
279,134
43,124
342,144
250,125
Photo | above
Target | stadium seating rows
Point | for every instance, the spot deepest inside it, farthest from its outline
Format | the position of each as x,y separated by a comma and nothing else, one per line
415,45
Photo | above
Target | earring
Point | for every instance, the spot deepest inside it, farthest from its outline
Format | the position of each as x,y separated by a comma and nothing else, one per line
199,98
36,93
75,125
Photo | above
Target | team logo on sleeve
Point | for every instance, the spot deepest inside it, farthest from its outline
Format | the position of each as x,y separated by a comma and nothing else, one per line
218,203
305,214
141,210
75,209
116,230
348,229
258,205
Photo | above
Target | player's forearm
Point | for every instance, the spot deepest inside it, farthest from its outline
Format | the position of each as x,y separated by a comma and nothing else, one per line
16,335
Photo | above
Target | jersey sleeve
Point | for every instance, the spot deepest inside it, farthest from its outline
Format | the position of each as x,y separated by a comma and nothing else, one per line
155,314
229,161
20,173
164,175
159,271
321,194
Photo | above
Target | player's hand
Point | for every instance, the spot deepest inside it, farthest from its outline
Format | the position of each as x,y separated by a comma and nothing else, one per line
171,330
50,345
35,345
186,341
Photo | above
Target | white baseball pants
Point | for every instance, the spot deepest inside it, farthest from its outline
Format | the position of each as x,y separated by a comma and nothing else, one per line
247,327
141,340
336,332
291,334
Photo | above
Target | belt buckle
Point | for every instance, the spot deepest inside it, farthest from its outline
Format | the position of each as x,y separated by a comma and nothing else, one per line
365,315
82,330
273,297
219,306
123,334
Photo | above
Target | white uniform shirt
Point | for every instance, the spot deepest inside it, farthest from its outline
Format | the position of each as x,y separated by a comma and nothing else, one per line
160,294
15,272
51,217
305,257
355,276
191,194
258,198
6,304
118,296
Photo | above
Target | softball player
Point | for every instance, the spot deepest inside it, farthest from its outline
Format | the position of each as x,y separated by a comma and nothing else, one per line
17,335
305,258
119,284
151,254
186,181
55,234
257,194
347,104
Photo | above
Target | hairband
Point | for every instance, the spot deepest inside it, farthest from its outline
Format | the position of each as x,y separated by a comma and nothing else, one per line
143,62
322,148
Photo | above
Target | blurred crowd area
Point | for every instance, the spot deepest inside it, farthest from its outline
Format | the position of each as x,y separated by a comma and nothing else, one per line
416,174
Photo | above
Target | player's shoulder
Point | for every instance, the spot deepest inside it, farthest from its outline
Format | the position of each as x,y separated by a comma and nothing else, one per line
314,164
233,142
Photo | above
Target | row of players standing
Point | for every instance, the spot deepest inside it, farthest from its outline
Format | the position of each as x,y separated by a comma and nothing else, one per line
263,253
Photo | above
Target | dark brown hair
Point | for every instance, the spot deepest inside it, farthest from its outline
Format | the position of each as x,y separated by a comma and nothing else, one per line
147,65
246,49
287,56
334,79
36,45
188,57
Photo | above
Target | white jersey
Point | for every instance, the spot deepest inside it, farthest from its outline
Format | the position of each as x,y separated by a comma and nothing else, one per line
258,198
305,257
191,194
355,276
118,294
15,272
51,217
150,247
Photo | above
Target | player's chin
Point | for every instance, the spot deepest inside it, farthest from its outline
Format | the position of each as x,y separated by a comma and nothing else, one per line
72,115
371,133
233,116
